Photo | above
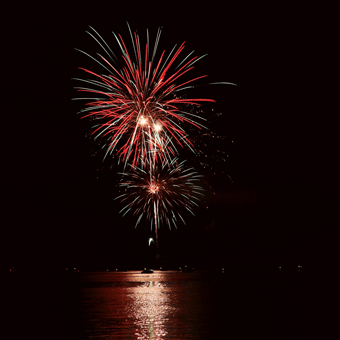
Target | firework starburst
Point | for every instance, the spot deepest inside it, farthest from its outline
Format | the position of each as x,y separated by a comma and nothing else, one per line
142,116
137,106
161,195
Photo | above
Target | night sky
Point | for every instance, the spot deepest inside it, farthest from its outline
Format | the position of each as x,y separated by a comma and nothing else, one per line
60,209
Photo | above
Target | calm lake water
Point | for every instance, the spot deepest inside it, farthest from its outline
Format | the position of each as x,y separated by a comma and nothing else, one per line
162,305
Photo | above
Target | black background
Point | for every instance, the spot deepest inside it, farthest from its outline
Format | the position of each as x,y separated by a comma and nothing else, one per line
58,214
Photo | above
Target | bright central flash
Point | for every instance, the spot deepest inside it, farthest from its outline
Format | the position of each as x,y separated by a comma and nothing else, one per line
153,189
158,127
142,120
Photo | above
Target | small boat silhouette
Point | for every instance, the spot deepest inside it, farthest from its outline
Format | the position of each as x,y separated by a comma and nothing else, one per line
147,271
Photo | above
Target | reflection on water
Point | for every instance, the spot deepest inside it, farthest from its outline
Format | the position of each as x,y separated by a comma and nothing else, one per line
150,308
168,305
198,305
162,305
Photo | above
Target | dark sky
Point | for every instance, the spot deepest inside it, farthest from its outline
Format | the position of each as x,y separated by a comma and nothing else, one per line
60,214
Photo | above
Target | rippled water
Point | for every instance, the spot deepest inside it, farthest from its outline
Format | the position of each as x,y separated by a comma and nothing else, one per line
162,305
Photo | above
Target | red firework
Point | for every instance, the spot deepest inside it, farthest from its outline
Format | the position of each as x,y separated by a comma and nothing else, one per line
138,108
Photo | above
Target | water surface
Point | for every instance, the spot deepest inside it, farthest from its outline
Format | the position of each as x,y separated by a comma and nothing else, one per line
162,305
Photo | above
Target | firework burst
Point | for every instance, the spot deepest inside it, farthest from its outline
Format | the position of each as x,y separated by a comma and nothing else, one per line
161,195
141,116
136,106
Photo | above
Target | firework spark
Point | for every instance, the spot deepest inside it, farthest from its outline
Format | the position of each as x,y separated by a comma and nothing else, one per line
161,195
137,106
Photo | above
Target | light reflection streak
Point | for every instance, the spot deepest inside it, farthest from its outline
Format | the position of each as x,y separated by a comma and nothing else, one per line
150,308
161,305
